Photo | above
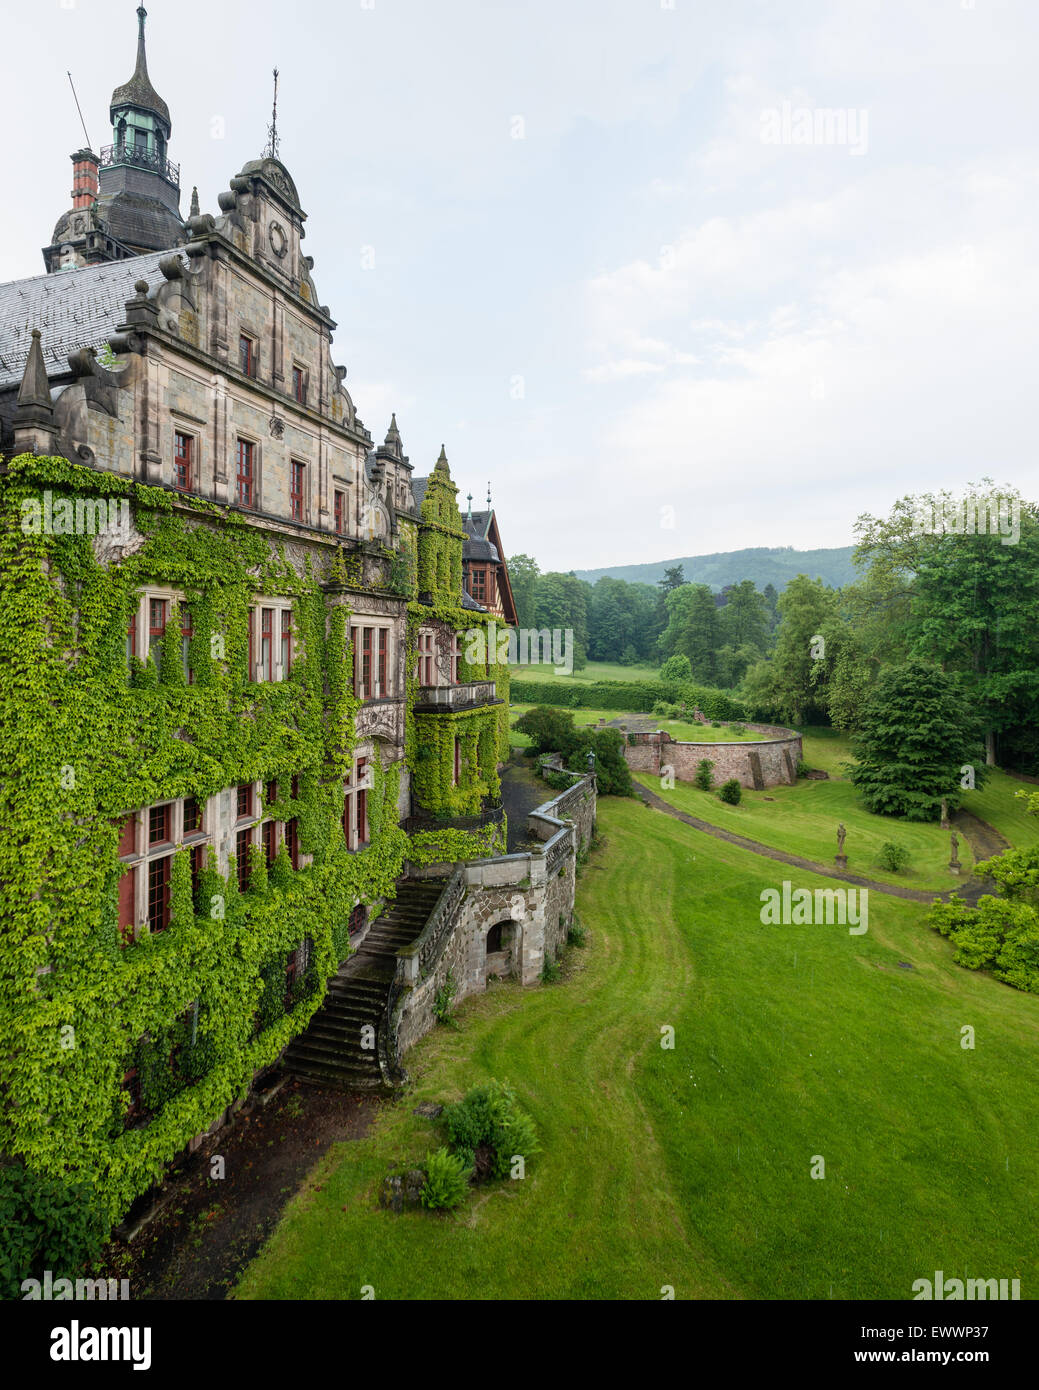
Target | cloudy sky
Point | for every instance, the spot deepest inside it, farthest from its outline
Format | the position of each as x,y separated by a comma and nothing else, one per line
676,276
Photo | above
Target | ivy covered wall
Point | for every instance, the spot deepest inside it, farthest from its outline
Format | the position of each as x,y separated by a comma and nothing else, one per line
85,737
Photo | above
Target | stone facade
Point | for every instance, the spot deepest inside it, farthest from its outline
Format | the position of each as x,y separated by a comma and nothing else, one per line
530,895
770,762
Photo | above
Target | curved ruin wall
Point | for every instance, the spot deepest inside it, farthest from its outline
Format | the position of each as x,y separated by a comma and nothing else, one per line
769,762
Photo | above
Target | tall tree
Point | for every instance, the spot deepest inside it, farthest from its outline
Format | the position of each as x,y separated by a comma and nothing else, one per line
523,576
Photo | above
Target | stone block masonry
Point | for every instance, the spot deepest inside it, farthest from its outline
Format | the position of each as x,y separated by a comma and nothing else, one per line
770,762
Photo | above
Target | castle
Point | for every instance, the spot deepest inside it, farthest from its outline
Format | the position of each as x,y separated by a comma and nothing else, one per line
250,805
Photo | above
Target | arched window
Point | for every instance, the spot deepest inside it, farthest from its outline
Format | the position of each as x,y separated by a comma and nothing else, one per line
495,942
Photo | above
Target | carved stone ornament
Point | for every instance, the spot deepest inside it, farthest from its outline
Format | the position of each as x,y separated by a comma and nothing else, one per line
277,427
277,238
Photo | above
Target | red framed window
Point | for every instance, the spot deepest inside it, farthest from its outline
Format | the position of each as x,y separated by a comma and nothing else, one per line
458,762
127,906
358,919
245,473
366,663
247,354
245,800
267,644
158,613
269,840
198,863
295,788
270,793
337,507
131,638
192,816
128,836
292,842
242,842
296,489
299,385
183,460
425,646
362,817
479,585
187,631
159,893
286,642
383,648
355,636
159,827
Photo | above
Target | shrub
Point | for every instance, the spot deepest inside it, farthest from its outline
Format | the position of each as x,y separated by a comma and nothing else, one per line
488,1129
46,1224
704,778
730,792
550,971
802,768
893,857
445,998
715,724
447,1180
578,934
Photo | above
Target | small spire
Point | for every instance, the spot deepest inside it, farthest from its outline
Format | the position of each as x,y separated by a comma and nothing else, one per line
441,462
194,204
393,433
488,494
469,499
34,392
271,152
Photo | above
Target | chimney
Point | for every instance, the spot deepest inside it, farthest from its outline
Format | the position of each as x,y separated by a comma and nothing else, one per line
84,178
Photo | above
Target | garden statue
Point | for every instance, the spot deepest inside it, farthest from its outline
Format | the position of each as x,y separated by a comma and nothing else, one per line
841,858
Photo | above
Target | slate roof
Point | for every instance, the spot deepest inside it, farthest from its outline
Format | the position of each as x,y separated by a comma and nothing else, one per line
471,604
72,309
418,487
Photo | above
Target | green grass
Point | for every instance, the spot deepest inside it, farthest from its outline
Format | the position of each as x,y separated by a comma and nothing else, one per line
997,803
826,749
594,671
803,820
677,728
691,1167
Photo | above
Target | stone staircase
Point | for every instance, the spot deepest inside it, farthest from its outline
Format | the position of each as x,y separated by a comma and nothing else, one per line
330,1052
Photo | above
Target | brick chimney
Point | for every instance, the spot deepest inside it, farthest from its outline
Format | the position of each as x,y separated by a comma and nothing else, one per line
84,178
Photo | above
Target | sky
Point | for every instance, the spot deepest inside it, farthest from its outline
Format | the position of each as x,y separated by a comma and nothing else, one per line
671,276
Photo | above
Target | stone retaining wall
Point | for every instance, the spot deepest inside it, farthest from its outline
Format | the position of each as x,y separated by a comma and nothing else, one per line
532,892
769,762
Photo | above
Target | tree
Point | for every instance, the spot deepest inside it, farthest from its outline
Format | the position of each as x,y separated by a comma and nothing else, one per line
919,730
793,684
971,600
698,639
744,619
676,669
523,576
673,578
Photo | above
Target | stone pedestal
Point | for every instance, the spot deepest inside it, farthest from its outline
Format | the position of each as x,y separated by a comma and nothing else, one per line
841,860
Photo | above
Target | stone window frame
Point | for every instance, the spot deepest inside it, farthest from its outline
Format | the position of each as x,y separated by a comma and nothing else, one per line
278,605
194,434
376,623
305,471
360,781
304,372
138,633
143,854
245,437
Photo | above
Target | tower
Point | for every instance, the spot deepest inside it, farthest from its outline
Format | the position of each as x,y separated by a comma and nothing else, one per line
127,202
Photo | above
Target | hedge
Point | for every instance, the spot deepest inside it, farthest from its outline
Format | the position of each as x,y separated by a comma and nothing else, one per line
637,696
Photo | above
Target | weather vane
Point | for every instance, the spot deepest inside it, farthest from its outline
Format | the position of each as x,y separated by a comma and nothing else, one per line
271,152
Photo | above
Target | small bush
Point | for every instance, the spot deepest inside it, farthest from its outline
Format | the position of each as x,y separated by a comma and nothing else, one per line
730,792
893,857
488,1129
704,778
447,1181
715,724
802,768
550,971
46,1224
578,934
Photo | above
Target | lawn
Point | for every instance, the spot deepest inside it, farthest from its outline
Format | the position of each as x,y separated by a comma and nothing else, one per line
691,1167
998,804
677,728
803,820
593,671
